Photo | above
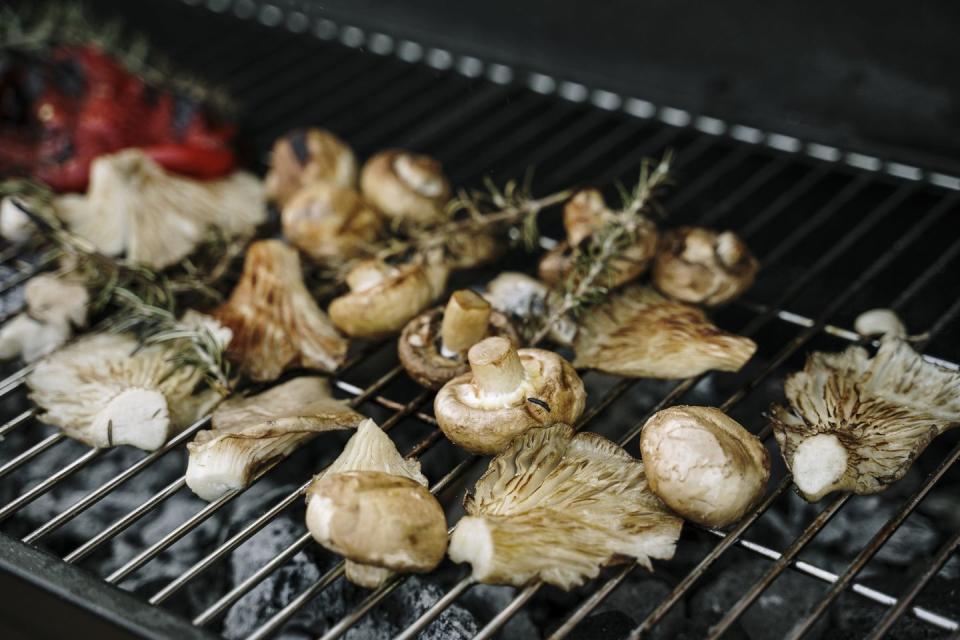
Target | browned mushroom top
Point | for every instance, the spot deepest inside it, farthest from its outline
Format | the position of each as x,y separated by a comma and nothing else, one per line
308,156
703,266
330,223
406,186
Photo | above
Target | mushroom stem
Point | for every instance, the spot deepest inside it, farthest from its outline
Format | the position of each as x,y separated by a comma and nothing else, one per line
818,465
465,322
137,417
496,366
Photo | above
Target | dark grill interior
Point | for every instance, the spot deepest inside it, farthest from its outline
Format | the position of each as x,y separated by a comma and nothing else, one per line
834,238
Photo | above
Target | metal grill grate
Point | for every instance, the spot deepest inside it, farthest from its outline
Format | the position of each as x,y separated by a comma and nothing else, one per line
833,240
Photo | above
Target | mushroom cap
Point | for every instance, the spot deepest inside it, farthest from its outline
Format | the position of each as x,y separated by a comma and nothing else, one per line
383,298
305,157
329,222
55,300
556,264
378,519
703,266
551,392
406,186
420,351
276,323
703,464
25,337
371,449
473,249
524,300
250,434
639,333
558,506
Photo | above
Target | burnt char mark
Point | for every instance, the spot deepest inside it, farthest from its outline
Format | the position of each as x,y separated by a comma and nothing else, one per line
298,142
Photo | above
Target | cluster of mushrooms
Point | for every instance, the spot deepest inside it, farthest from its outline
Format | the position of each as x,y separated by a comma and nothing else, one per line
554,504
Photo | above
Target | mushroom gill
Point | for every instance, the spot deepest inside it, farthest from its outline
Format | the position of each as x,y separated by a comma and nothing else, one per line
276,324
857,423
558,506
250,434
641,334
134,206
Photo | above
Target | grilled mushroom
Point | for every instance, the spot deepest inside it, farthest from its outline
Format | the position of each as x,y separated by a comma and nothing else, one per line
330,223
305,157
383,297
584,215
15,225
433,345
703,464
275,322
639,333
559,506
880,322
525,300
702,266
157,218
372,506
55,306
856,423
507,392
250,434
105,390
406,186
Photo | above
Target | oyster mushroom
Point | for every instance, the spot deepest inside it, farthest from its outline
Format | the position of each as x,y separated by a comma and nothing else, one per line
558,506
105,390
639,333
250,434
384,297
276,324
406,186
15,225
329,222
54,307
525,300
305,157
372,506
702,266
584,215
134,206
507,392
857,423
703,464
880,322
433,345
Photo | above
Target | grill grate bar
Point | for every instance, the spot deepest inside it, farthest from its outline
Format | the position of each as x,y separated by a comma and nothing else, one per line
31,453
16,421
749,186
41,488
788,197
440,605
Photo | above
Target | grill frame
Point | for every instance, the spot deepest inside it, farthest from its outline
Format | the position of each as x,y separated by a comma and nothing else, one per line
862,171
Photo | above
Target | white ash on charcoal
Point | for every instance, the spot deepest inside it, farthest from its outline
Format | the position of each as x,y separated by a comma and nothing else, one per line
487,600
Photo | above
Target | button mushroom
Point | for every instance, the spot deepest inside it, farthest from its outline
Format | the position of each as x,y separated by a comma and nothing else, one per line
433,345
276,324
703,464
54,306
584,215
372,506
134,206
105,390
507,392
525,301
250,434
406,186
639,333
857,423
330,223
384,297
306,157
558,506
702,266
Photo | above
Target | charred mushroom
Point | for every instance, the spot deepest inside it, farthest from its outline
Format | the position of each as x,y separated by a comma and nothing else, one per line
330,223
525,300
507,392
406,186
702,266
55,306
639,333
372,506
276,324
856,423
157,218
584,215
433,345
384,297
703,464
250,434
307,157
105,390
558,507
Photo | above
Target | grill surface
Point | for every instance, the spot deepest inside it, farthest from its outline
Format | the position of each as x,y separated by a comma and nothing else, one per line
833,241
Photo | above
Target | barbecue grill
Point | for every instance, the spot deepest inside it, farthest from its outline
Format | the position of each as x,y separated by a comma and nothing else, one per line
111,541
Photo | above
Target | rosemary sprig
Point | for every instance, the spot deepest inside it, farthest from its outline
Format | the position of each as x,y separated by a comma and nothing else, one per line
592,264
